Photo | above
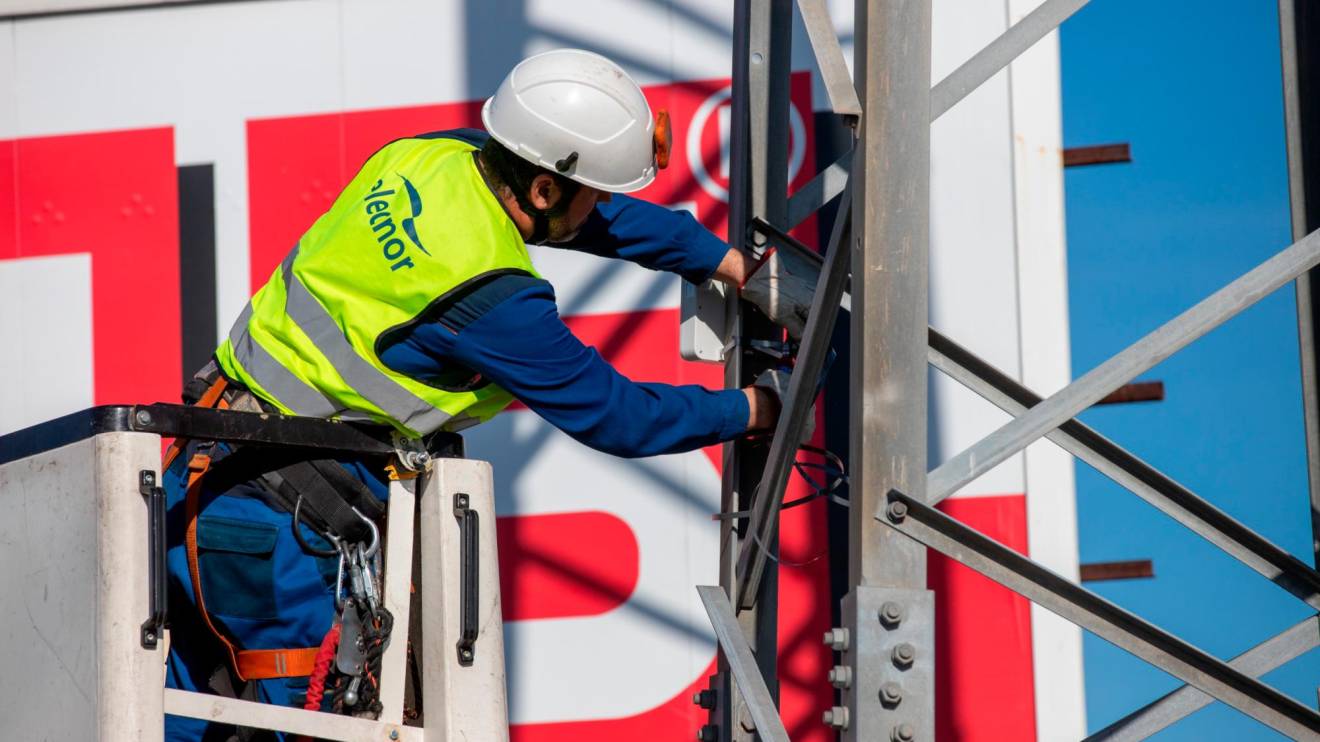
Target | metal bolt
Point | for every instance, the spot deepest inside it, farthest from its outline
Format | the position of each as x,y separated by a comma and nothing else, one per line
704,698
836,639
836,717
708,733
904,655
143,417
903,733
151,636
891,693
897,511
840,676
891,614
394,734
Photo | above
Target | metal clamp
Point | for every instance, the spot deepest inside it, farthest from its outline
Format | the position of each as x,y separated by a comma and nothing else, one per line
411,452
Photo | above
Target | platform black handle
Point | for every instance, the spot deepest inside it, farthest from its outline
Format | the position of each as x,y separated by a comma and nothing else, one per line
469,567
157,591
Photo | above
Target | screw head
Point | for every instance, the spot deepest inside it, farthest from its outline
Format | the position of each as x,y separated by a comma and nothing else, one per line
708,733
904,655
151,636
891,693
891,614
897,511
704,699
143,417
903,733
840,676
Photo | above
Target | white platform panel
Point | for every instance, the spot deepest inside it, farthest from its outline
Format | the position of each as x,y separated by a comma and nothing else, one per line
73,568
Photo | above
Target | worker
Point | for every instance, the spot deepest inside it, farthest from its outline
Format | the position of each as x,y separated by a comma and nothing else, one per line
413,303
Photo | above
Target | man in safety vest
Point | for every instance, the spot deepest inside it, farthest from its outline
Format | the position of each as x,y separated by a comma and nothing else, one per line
413,303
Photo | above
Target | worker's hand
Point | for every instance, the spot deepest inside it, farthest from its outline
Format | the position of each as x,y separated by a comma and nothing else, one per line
766,396
781,287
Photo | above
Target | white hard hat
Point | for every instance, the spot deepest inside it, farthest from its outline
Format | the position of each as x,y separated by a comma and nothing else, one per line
579,114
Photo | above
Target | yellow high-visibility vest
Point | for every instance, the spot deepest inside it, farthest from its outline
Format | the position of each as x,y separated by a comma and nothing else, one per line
415,225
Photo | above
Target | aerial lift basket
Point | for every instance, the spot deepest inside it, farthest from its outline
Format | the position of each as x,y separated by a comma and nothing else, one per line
82,570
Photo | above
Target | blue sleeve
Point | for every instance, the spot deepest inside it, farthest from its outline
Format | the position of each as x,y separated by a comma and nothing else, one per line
521,344
651,236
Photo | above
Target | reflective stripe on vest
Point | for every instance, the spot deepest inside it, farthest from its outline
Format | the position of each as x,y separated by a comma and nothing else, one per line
382,391
275,380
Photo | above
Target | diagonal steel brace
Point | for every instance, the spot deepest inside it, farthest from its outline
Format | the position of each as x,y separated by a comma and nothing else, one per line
924,524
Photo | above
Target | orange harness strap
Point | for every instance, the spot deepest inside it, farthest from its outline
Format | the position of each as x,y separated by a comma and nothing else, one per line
209,398
249,664
196,468
263,664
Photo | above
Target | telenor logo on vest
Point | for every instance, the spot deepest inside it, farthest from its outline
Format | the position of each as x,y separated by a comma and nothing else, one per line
382,223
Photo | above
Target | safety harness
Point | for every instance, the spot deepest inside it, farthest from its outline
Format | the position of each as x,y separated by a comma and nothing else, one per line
322,495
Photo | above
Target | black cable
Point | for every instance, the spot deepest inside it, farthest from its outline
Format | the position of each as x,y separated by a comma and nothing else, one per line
836,476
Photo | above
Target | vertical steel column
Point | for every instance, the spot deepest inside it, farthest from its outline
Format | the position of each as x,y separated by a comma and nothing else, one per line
1299,46
758,187
888,613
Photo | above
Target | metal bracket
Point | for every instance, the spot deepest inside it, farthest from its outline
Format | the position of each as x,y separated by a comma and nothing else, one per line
889,662
410,452
157,588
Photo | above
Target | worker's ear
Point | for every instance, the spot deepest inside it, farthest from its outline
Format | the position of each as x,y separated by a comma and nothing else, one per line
545,192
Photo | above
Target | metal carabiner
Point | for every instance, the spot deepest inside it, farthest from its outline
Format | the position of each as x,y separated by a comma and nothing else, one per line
302,542
339,583
375,533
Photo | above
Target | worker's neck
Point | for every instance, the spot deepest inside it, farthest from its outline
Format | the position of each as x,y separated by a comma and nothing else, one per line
505,196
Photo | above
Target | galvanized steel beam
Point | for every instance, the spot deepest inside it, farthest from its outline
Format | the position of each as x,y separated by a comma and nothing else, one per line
820,190
999,53
928,526
1299,47
795,410
758,187
1214,525
829,58
1123,367
890,256
1270,654
743,664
